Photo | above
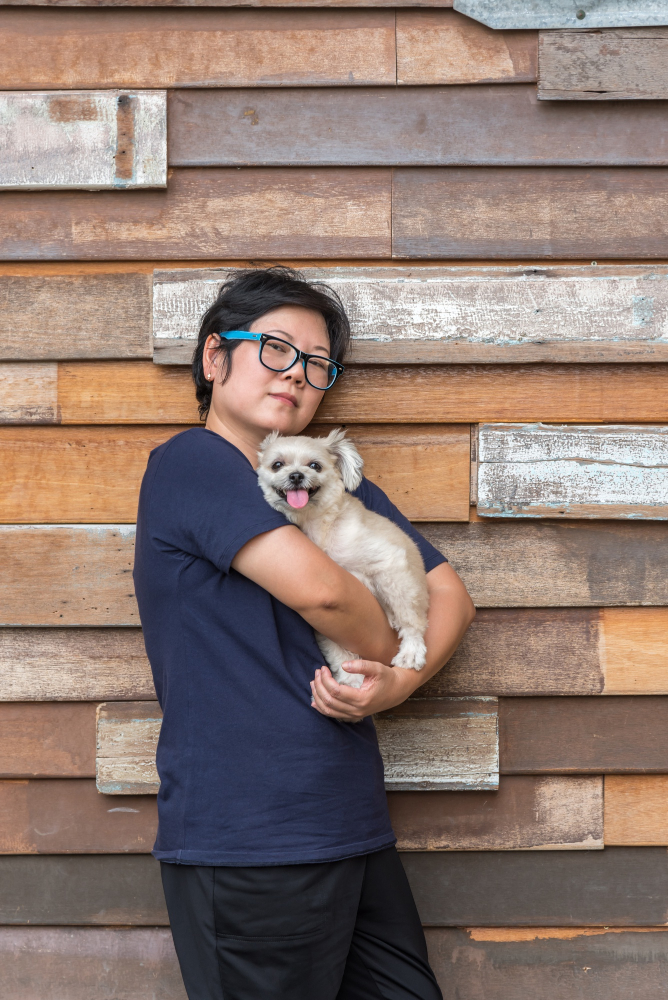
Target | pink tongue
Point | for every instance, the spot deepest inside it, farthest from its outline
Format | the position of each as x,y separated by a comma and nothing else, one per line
297,498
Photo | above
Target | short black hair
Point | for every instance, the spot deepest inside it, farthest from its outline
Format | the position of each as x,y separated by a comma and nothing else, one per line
249,293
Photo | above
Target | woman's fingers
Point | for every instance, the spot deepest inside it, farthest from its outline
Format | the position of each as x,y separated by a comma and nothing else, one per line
329,696
328,710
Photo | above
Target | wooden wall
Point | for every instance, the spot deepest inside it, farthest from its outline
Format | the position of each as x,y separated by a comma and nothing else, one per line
504,262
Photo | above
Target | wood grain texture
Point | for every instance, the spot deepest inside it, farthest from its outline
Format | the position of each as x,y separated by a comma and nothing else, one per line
71,817
88,139
89,316
232,3
633,649
74,664
563,13
519,212
47,740
127,738
538,470
29,394
413,314
207,213
89,964
553,564
612,65
116,392
583,735
636,810
442,46
67,575
189,47
525,813
560,963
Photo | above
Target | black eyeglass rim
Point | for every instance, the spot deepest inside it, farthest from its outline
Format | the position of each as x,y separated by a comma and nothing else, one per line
300,356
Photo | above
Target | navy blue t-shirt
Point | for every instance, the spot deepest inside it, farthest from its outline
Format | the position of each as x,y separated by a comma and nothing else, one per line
250,773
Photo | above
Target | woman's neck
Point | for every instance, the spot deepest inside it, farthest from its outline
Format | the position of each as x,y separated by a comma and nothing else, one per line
243,438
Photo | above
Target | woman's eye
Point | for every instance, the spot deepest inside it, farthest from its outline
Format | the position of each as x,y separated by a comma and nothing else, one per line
315,466
275,346
277,465
322,365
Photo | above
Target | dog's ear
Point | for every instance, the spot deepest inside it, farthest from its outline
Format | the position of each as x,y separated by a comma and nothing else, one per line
270,438
349,461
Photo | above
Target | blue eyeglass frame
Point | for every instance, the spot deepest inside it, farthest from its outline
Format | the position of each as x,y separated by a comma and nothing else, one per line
301,355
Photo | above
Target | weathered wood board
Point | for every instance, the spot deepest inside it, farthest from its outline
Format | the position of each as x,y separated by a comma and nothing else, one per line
520,212
89,963
208,212
525,814
95,140
93,474
195,48
74,664
617,64
564,13
538,470
29,393
235,3
636,810
454,747
48,740
583,735
460,313
560,963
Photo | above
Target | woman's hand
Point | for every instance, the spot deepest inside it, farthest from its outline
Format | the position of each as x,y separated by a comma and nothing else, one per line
383,688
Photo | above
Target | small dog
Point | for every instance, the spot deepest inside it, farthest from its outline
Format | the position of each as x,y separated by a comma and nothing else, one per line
307,479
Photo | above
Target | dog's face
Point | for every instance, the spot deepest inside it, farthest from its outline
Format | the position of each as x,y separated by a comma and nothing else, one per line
303,474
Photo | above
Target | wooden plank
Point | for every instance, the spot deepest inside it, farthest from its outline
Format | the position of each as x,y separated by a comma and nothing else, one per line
113,890
538,470
29,394
583,735
189,48
67,575
93,474
552,564
459,314
617,64
442,46
634,650
559,963
47,740
71,817
563,13
89,964
636,810
525,814
87,139
115,392
208,213
234,3
497,212
127,738
74,664
89,316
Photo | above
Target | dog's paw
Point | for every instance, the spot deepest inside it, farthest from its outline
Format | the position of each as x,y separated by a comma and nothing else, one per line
412,653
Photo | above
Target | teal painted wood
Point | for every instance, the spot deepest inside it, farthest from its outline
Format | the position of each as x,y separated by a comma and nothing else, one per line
565,13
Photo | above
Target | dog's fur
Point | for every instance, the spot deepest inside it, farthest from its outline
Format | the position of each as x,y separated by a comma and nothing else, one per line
369,546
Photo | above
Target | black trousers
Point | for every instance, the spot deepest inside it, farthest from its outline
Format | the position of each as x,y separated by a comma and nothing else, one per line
343,930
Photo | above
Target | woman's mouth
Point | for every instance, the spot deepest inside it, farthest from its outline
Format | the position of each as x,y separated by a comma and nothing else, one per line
284,398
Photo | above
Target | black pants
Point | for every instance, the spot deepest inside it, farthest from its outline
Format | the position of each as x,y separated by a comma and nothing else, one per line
344,930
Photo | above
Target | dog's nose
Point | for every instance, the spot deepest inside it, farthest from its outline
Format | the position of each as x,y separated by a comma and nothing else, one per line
296,477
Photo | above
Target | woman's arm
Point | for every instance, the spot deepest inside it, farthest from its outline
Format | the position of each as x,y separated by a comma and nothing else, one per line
451,612
295,571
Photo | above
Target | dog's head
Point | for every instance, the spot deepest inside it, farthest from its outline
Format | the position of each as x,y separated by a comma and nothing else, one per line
302,475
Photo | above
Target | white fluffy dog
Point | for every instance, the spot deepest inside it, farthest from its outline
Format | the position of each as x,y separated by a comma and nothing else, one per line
307,479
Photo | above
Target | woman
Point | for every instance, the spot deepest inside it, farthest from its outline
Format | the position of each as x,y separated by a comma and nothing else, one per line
277,855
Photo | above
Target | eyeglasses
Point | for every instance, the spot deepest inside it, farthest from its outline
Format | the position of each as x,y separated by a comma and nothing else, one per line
279,355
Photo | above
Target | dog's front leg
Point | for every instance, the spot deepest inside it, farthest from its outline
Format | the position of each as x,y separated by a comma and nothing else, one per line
335,656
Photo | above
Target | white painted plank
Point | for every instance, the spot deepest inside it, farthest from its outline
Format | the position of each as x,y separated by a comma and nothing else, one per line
565,13
538,470
90,140
450,314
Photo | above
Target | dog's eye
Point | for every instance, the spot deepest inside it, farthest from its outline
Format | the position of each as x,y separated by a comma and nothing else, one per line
276,466
315,466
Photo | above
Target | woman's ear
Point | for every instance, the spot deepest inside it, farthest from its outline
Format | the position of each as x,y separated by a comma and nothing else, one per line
349,461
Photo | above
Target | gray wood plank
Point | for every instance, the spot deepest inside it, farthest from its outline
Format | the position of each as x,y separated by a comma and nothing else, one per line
413,314
89,140
564,13
538,470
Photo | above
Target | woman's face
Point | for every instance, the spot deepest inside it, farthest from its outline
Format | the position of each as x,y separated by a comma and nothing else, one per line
255,400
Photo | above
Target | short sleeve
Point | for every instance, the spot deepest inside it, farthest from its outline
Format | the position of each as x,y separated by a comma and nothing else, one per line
202,497
374,499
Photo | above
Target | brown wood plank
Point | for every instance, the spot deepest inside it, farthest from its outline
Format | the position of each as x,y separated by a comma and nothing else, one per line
89,316
188,47
636,810
634,650
498,213
89,964
442,46
603,65
583,735
118,392
206,213
74,664
560,963
47,740
29,394
71,817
